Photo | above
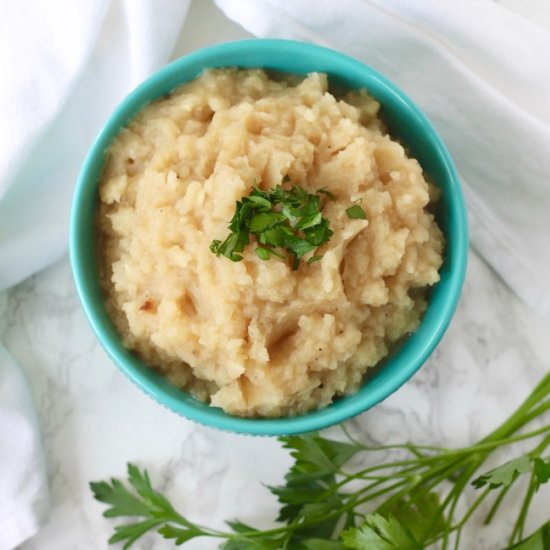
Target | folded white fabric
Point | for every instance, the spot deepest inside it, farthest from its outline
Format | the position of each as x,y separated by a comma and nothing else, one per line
482,75
65,65
23,489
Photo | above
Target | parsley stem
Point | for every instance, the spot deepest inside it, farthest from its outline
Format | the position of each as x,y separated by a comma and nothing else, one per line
397,446
352,504
524,413
535,413
454,496
415,464
517,532
490,445
473,507
496,504
426,460
520,523
471,510
441,473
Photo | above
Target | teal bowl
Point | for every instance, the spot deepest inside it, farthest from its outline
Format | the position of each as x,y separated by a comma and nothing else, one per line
405,121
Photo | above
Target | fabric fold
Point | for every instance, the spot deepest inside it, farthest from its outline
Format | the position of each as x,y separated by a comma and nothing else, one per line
23,487
62,87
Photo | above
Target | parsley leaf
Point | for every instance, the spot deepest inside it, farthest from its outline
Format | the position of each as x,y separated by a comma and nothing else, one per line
505,474
316,455
379,533
317,461
265,220
261,202
541,468
421,515
319,234
326,192
310,220
315,259
240,527
298,247
154,508
356,212
178,534
263,253
123,503
321,544
131,532
539,540
252,544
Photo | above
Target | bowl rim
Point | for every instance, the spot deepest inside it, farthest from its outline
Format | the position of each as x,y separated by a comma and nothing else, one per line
348,406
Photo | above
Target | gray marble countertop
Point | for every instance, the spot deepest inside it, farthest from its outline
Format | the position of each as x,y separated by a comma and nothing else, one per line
93,420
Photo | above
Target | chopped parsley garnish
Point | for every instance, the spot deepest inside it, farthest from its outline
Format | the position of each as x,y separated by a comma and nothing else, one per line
286,222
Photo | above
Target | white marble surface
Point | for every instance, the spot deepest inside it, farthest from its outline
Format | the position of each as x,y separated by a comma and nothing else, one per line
94,421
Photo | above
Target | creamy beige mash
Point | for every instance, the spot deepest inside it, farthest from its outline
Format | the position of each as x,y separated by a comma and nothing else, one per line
255,337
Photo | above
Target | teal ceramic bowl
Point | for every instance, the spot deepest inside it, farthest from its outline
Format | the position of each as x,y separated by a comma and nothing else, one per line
405,122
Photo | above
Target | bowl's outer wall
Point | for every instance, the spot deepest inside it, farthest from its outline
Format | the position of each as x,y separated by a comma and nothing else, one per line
405,121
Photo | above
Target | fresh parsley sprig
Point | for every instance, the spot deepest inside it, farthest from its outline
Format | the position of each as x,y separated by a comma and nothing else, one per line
408,503
287,223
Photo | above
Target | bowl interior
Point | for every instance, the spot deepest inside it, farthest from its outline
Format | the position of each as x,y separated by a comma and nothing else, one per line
405,121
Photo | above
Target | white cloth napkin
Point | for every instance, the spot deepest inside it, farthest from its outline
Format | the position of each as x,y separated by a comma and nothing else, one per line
482,75
23,488
65,65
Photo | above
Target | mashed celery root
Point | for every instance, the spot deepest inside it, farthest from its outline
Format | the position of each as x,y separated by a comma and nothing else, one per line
255,337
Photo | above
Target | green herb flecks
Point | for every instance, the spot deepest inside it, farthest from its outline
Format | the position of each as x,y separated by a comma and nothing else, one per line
356,212
287,223
402,501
